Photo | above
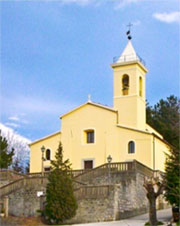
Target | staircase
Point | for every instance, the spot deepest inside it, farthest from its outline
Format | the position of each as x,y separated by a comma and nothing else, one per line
112,168
20,183
81,178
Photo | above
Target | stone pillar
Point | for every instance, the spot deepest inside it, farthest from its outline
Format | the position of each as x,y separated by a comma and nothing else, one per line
42,201
6,205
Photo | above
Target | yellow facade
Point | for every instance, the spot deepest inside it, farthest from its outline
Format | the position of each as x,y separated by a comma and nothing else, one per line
50,142
92,132
131,102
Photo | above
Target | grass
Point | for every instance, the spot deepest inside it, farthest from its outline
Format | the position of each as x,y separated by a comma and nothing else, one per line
159,223
21,221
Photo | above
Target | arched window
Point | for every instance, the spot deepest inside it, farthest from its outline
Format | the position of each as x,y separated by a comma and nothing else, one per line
125,84
131,147
48,154
140,86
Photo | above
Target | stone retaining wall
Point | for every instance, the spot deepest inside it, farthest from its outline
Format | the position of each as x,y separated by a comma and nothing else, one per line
111,202
8,176
24,202
112,195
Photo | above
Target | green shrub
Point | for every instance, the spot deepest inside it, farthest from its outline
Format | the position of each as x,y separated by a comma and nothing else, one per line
61,204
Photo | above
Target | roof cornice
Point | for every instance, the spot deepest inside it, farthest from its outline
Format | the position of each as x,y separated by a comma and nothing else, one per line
51,135
89,103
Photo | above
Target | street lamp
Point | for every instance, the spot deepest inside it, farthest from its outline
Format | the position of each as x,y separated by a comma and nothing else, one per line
109,159
42,150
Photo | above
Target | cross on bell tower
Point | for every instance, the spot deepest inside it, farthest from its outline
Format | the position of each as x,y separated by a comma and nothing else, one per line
129,31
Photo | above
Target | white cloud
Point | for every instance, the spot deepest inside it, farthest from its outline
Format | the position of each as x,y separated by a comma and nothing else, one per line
16,141
80,2
12,124
14,118
122,3
136,23
20,119
24,121
168,17
6,131
33,105
118,3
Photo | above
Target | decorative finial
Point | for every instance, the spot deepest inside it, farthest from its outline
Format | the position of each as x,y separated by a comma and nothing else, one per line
89,98
129,31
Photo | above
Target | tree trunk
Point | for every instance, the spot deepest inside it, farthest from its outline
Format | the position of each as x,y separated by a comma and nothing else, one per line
152,211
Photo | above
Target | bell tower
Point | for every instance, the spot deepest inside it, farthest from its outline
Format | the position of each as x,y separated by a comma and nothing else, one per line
129,88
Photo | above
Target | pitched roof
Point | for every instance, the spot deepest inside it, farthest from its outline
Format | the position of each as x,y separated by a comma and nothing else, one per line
43,138
146,132
90,103
129,54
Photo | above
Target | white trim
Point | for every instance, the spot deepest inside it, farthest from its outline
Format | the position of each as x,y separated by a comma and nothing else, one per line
125,96
91,103
43,138
47,167
130,63
82,136
134,129
88,159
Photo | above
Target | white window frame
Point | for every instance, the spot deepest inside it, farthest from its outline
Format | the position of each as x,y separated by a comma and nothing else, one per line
82,136
88,159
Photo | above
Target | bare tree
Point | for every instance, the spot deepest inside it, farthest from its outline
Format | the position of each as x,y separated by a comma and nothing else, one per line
154,188
21,150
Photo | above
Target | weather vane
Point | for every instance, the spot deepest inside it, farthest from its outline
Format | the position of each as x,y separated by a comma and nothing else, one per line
128,33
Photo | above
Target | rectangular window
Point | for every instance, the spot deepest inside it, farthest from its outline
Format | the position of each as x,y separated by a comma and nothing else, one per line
88,164
46,169
90,136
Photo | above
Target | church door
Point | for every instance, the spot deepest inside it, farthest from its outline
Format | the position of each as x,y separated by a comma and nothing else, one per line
88,164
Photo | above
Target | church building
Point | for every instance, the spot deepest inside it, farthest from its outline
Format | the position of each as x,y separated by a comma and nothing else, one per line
92,134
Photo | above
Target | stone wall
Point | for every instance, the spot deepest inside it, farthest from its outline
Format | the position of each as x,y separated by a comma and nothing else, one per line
8,176
24,201
111,202
105,195
95,203
131,197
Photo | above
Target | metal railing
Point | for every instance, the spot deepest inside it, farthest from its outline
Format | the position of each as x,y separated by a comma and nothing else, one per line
126,58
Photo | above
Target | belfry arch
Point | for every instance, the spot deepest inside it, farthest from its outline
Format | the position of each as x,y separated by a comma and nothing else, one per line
140,86
125,84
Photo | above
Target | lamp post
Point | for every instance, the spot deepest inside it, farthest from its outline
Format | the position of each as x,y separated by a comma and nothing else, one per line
109,159
42,169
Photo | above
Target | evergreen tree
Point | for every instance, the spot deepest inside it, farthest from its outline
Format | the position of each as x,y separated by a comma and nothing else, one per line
60,201
6,156
164,117
172,177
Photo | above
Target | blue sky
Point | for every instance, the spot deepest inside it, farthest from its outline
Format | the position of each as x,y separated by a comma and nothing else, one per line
55,53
